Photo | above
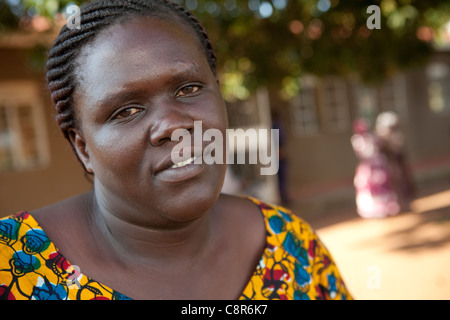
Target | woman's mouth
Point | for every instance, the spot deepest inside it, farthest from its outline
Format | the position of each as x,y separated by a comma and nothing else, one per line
181,171
183,163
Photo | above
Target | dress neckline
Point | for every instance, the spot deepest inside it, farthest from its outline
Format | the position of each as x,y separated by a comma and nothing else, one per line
29,219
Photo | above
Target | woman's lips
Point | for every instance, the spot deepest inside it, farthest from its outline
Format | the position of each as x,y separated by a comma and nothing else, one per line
183,163
181,171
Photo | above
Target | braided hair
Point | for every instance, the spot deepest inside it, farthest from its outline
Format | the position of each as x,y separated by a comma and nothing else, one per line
95,17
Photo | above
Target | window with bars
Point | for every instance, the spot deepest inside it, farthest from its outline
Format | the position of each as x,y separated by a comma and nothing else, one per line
365,101
336,112
438,75
393,94
23,140
303,108
333,103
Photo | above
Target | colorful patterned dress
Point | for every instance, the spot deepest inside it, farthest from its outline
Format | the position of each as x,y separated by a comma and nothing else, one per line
294,265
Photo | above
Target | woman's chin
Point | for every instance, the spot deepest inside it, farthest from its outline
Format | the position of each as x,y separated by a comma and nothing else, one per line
189,208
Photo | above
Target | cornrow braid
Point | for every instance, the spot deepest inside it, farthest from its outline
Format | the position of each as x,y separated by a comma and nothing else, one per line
95,17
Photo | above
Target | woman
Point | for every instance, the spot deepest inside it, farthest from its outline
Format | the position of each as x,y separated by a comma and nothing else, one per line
375,193
387,128
151,229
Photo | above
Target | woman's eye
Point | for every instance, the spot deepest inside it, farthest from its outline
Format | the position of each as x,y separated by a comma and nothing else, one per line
188,90
127,113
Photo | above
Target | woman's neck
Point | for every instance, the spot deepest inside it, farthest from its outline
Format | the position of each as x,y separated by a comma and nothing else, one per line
151,238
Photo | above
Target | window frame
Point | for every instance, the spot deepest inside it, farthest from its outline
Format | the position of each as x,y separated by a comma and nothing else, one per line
438,77
15,95
305,101
338,100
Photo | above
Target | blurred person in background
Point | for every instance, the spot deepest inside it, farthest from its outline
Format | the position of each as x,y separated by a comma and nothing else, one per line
392,142
375,191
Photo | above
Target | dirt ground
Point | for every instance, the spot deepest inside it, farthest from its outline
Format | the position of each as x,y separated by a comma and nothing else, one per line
405,257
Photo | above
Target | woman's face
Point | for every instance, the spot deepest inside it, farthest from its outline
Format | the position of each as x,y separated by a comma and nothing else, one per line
137,83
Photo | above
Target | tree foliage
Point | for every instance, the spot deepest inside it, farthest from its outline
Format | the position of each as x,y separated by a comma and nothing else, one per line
274,42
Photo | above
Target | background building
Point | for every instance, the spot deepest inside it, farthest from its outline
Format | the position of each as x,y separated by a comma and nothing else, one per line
323,50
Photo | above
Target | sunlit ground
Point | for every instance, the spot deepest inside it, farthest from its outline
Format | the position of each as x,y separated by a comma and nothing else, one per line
402,257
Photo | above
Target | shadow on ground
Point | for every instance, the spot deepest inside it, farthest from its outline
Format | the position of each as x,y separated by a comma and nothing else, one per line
410,251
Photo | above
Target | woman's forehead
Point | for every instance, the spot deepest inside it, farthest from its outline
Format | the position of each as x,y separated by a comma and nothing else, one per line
142,33
135,41
138,50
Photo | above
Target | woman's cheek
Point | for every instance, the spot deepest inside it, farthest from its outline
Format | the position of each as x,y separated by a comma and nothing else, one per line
113,148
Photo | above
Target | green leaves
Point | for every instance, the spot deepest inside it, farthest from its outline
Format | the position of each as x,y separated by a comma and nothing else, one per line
268,42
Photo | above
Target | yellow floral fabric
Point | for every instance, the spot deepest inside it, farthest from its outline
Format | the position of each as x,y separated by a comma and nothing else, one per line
294,265
31,268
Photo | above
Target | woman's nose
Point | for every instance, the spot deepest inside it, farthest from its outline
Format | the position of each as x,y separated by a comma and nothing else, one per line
166,120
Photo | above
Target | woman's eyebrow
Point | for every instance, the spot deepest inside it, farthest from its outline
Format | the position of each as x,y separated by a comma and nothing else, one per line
188,73
120,97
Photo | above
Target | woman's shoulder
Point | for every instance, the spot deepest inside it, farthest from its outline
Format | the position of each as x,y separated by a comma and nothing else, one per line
289,232
24,250
296,256
22,236
37,227
282,219
266,219
16,226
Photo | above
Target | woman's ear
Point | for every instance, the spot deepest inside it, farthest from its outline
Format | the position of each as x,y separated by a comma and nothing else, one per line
79,145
